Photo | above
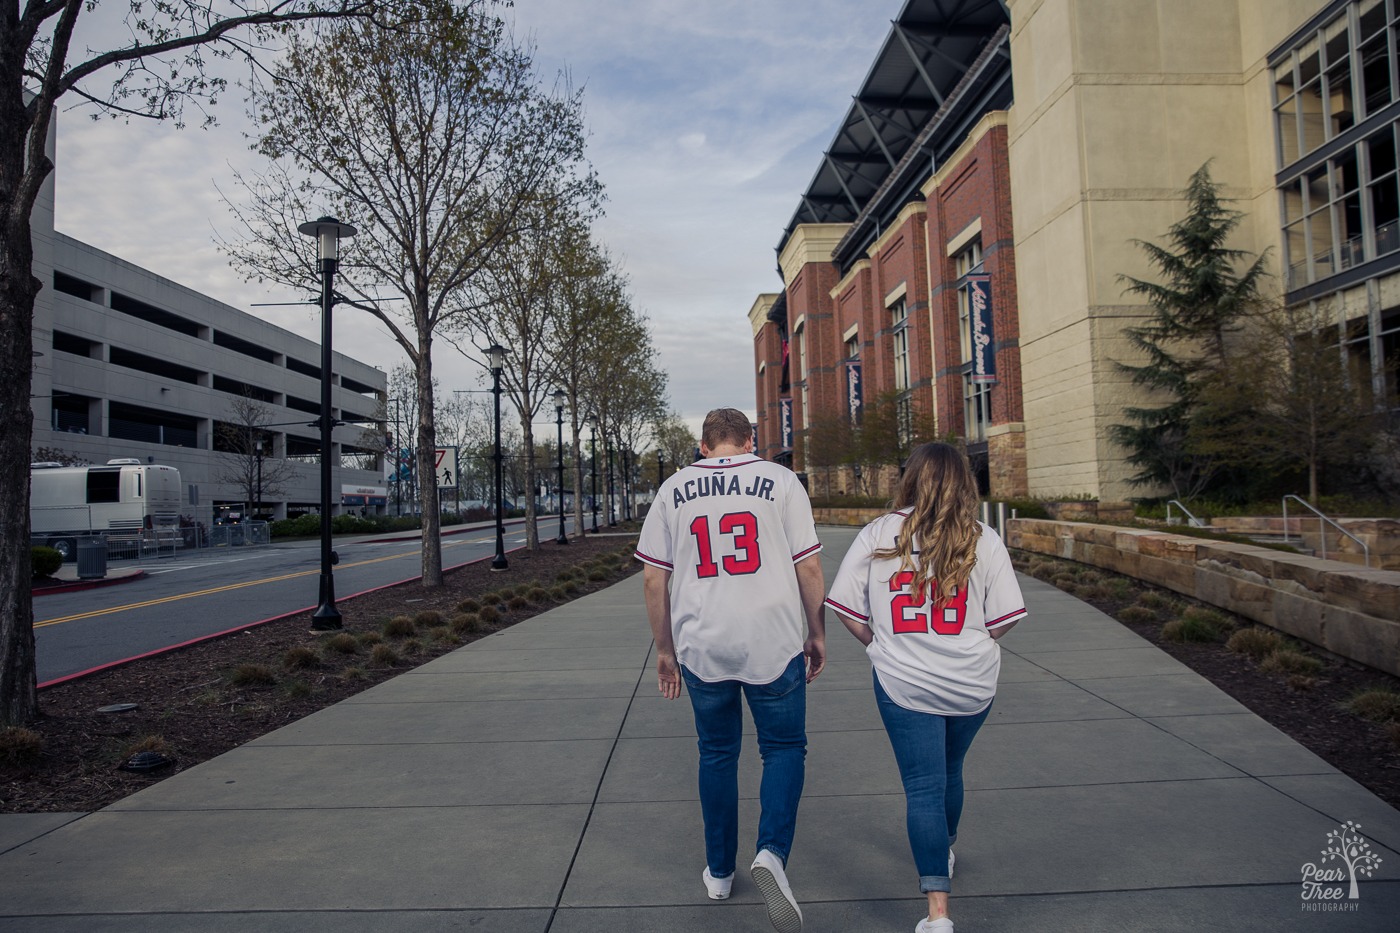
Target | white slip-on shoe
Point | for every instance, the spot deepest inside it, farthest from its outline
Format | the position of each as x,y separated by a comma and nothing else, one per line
941,925
717,888
768,875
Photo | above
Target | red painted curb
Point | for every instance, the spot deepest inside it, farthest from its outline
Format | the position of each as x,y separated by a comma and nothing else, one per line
87,584
245,627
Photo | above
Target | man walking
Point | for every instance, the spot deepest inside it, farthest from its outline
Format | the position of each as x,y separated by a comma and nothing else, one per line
735,606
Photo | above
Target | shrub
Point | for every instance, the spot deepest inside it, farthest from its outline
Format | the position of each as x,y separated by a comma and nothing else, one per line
20,747
342,643
1286,660
566,574
538,594
1190,628
1378,704
296,688
1137,615
1256,642
399,627
299,658
492,598
1154,600
428,618
519,602
490,615
1121,589
252,675
44,562
505,594
466,623
151,743
1091,576
468,605
443,635
570,586
368,639
1301,682
1064,580
1218,620
353,673
597,574
384,655
558,593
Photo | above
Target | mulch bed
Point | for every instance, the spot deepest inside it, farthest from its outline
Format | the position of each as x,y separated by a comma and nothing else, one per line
1309,709
205,699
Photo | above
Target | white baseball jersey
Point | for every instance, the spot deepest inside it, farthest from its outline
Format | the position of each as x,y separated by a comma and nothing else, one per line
730,530
931,658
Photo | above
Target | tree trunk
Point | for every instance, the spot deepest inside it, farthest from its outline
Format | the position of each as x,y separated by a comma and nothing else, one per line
427,470
19,697
532,483
578,482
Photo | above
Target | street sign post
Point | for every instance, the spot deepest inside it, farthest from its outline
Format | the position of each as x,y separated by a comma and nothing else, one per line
445,467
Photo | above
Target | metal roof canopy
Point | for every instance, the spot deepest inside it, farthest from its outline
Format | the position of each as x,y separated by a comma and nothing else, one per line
929,50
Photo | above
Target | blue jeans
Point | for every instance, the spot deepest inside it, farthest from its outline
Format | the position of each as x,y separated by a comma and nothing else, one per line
780,718
930,750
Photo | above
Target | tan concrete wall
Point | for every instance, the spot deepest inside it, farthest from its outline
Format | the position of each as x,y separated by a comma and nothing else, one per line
1344,609
1117,103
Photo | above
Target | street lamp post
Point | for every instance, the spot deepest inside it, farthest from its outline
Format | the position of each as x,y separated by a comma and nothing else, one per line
660,469
593,466
328,232
627,466
612,508
497,354
560,397
258,447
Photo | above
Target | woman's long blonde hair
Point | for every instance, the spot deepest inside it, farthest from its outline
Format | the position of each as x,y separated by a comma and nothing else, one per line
940,493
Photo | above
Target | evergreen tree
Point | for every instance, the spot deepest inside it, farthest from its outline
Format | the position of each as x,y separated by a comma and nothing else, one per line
1199,303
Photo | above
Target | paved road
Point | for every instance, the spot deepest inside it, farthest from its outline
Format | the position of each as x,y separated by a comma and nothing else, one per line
189,597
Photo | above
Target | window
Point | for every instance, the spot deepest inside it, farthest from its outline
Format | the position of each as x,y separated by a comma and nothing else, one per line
904,405
70,413
303,449
153,315
853,347
78,346
1338,76
977,396
104,484
69,285
134,423
1343,211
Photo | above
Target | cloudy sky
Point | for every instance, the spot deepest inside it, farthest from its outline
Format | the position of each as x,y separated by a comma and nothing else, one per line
707,121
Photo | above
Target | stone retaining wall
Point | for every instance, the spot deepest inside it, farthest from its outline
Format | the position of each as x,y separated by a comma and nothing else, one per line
1345,609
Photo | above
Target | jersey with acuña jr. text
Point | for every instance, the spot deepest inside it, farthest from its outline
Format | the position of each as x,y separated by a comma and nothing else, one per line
934,658
731,530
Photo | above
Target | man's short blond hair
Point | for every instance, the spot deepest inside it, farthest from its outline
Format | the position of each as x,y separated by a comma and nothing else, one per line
726,426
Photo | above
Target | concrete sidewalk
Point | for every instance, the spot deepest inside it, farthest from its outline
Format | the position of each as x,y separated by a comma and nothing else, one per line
534,781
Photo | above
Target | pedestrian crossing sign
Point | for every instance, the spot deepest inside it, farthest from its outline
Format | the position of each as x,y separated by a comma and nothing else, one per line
445,467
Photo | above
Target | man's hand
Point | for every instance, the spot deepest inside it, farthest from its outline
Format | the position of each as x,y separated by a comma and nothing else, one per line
815,650
668,675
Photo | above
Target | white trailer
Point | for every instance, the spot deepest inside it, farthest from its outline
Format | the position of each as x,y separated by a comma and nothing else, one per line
124,497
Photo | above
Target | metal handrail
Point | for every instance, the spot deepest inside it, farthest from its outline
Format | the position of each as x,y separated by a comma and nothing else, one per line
1193,522
1321,529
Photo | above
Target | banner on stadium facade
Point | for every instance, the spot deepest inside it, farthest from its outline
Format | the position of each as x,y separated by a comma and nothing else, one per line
785,407
979,296
754,427
853,390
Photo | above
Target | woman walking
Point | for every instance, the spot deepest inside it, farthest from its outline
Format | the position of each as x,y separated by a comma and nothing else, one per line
928,589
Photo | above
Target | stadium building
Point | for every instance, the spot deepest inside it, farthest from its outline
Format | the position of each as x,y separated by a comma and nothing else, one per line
958,253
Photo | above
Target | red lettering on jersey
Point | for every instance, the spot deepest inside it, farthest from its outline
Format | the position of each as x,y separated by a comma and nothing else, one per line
948,616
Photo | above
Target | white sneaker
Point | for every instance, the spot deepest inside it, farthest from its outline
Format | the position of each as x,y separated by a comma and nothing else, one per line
768,875
941,925
718,888
951,859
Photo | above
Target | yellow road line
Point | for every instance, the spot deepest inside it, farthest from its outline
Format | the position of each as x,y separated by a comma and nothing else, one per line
210,592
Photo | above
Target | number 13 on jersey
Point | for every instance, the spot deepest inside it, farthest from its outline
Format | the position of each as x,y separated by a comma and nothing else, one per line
743,528
905,608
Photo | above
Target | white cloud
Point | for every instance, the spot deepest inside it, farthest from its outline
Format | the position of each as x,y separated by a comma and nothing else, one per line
707,121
